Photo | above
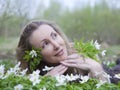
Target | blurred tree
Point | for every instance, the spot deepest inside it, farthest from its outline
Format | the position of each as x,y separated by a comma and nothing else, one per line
52,12
13,15
40,10
100,22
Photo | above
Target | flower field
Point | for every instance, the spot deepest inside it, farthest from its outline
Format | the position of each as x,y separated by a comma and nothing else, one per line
17,79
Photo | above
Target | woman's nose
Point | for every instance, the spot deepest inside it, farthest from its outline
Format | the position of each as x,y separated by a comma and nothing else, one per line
55,45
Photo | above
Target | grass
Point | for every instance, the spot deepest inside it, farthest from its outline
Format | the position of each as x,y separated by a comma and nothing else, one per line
8,63
8,44
113,52
8,51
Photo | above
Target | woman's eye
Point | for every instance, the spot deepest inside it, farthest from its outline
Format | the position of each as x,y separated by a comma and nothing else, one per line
54,35
45,44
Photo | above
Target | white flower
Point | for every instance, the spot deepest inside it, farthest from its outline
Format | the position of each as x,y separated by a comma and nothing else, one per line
34,77
104,74
108,63
2,71
100,83
47,68
61,80
72,77
18,87
33,53
107,76
117,76
35,80
14,70
97,45
23,73
35,73
17,66
9,72
84,79
103,53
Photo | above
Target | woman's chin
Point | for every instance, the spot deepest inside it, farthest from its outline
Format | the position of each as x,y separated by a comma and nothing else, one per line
63,58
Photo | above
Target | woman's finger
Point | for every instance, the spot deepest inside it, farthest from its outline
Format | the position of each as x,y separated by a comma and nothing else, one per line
82,66
63,71
73,56
73,61
68,61
70,64
60,69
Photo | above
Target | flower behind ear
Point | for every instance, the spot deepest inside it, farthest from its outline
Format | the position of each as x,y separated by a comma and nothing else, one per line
33,57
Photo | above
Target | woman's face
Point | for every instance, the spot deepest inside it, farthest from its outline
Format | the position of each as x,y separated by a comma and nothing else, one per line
52,44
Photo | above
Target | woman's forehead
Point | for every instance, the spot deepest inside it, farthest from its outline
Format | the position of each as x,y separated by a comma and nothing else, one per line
42,32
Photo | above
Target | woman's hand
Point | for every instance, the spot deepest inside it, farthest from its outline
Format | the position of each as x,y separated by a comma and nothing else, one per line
82,63
60,69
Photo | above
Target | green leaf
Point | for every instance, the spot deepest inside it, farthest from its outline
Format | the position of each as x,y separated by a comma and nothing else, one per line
87,49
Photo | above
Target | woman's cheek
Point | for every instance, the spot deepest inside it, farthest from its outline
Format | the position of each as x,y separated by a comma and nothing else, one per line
46,51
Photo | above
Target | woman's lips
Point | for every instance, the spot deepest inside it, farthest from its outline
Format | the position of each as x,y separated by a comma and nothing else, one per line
60,53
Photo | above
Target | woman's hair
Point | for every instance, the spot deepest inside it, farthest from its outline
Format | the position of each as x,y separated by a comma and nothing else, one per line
25,45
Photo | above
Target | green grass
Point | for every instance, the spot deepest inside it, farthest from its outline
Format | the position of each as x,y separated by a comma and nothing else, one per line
8,44
8,51
113,51
8,63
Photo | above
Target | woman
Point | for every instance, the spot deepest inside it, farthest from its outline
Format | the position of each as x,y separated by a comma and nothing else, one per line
56,51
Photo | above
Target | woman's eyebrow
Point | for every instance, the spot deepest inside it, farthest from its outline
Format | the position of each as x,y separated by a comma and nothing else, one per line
51,34
42,40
